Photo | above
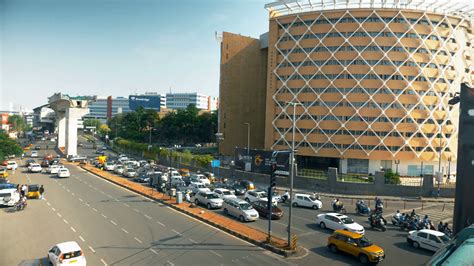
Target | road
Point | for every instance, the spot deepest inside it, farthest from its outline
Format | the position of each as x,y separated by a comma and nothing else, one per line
115,227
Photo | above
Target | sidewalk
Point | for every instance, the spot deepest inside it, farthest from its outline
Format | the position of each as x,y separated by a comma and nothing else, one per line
226,224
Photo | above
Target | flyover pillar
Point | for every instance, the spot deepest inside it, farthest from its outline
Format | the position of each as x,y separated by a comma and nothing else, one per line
72,116
61,117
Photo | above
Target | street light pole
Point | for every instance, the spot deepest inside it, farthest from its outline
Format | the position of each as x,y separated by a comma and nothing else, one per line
439,156
248,138
292,170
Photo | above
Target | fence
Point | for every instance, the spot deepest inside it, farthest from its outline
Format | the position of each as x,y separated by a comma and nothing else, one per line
355,178
311,173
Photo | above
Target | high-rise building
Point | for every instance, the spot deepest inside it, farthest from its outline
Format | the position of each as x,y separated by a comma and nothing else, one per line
104,108
149,100
182,100
371,80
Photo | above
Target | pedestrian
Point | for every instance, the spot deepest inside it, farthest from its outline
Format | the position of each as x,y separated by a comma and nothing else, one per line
18,188
41,191
23,190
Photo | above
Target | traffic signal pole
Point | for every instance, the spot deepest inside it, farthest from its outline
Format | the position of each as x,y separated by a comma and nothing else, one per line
270,195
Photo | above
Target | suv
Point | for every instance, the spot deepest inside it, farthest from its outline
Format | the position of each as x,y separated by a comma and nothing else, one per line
208,199
356,245
240,209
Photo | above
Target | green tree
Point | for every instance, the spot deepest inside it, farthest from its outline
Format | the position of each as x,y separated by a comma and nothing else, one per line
91,122
18,123
103,130
392,178
8,146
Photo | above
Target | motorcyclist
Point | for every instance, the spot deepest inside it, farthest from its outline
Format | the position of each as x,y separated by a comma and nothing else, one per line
440,226
361,206
285,196
398,215
413,213
337,205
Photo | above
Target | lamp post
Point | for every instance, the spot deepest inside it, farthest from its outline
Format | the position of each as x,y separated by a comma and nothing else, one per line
248,138
439,176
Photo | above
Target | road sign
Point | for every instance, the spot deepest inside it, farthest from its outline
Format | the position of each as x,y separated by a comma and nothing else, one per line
215,163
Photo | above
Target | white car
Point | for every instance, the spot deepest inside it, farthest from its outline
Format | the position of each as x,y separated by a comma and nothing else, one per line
305,200
198,187
200,178
240,209
208,199
67,253
129,172
427,239
118,169
256,195
53,169
224,193
34,154
12,165
35,168
175,180
110,166
337,221
63,172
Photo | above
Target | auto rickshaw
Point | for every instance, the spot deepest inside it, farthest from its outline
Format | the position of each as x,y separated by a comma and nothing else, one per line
3,172
184,172
33,192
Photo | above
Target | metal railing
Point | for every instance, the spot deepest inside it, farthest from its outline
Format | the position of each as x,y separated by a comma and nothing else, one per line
312,173
355,178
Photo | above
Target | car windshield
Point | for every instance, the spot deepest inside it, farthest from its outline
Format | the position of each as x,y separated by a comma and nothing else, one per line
444,238
226,193
245,206
347,220
313,198
212,196
363,242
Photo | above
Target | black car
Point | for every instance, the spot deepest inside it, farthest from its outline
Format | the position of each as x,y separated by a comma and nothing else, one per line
142,178
239,189
262,208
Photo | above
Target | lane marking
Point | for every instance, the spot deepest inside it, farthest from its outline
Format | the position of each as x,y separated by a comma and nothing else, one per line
126,205
82,239
138,240
93,251
170,263
47,203
125,231
53,209
68,190
110,196
72,194
193,241
114,223
160,223
72,228
80,199
136,210
65,221
154,251
103,215
94,209
103,261
87,204
178,233
215,253
149,218
59,214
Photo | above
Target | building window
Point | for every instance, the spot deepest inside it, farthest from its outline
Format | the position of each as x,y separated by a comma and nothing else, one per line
415,170
358,166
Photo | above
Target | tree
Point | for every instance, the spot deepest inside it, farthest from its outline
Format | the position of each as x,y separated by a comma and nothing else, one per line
103,130
91,122
8,146
18,123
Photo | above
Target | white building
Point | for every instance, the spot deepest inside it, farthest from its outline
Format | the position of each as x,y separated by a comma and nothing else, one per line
182,100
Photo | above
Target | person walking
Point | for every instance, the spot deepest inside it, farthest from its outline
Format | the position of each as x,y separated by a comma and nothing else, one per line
23,190
41,191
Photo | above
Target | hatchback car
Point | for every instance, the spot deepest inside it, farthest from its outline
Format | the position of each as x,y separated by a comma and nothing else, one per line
67,253
208,199
428,239
63,172
240,209
337,221
35,168
305,200
129,172
53,169
12,165
118,169
34,154
356,245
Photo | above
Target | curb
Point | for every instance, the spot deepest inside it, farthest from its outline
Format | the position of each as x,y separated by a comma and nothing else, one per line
279,251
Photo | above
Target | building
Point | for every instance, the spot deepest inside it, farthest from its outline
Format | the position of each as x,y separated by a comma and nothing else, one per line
371,80
182,100
104,108
149,100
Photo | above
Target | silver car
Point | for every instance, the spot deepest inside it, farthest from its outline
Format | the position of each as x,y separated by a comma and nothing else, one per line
208,199
240,209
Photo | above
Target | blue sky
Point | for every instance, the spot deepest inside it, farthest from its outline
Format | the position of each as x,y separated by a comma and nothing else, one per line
116,47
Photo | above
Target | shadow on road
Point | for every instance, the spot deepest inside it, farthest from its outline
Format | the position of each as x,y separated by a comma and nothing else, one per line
340,257
409,248
35,262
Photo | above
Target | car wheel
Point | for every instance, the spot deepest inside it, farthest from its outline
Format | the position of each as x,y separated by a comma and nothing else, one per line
315,207
415,244
295,204
226,212
208,206
322,225
333,248
247,200
196,201
241,218
363,259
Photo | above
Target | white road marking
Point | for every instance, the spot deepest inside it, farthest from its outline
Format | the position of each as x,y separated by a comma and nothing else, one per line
72,228
126,205
114,223
138,240
72,194
93,251
87,204
96,188
125,231
102,192
103,215
53,209
80,199
193,241
170,263
215,253
178,233
48,204
94,209
148,217
109,196
103,261
68,190
154,251
160,223
136,210
65,221
82,239
59,214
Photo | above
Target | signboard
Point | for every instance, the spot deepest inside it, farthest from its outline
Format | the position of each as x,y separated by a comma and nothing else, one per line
4,119
215,163
146,101
259,161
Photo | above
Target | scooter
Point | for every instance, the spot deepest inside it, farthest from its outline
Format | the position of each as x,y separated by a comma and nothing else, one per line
284,197
362,208
339,208
377,221
21,204
397,221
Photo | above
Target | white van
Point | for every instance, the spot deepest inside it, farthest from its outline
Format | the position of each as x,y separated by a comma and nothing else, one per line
8,195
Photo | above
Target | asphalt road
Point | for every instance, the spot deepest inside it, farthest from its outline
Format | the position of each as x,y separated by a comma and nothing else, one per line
115,227
314,240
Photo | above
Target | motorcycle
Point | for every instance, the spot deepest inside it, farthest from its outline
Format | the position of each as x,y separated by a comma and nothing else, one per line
397,221
21,204
339,208
448,232
379,206
377,221
362,208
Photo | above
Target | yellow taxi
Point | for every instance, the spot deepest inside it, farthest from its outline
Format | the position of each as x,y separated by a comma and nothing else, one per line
33,192
356,245
3,172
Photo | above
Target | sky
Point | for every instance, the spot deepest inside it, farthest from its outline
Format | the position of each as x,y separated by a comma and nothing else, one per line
116,47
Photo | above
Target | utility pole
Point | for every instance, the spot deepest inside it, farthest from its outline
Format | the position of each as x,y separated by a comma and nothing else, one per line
273,166
292,170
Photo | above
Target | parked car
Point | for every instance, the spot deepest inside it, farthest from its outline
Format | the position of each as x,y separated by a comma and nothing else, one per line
356,245
337,221
34,168
262,208
129,172
118,169
240,209
208,199
12,165
256,195
67,253
224,193
63,172
305,200
427,239
34,154
198,187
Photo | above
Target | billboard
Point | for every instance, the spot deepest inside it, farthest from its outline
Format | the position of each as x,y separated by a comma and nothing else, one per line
146,101
4,119
258,161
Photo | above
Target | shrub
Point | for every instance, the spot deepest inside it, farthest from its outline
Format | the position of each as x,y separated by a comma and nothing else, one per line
392,178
